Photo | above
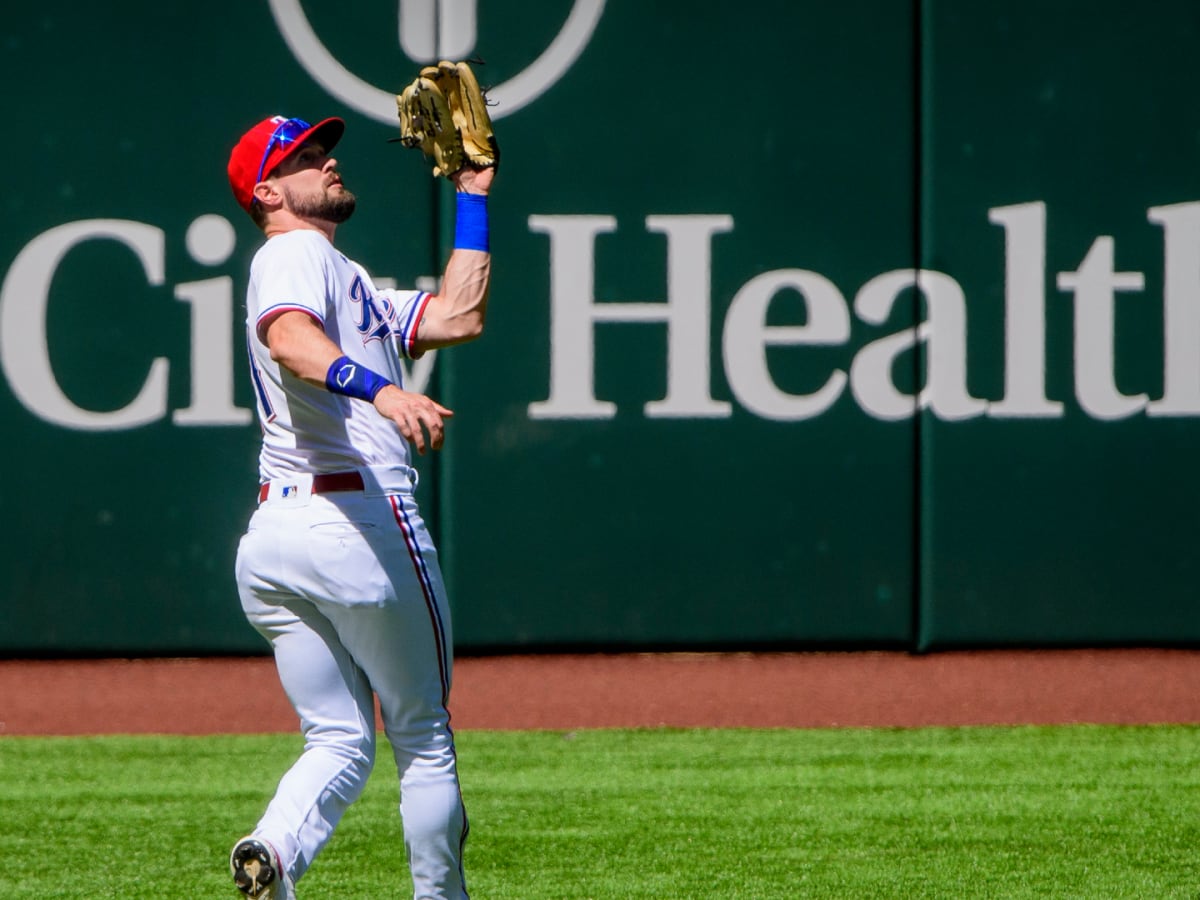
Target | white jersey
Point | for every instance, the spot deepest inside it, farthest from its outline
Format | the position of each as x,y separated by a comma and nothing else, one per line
307,429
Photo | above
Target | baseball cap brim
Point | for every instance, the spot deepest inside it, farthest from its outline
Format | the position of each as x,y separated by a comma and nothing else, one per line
327,133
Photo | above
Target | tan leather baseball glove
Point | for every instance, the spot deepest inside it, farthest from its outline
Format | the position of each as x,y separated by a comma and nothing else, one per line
444,113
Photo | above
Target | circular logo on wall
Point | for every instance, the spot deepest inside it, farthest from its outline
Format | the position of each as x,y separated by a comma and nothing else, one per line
431,30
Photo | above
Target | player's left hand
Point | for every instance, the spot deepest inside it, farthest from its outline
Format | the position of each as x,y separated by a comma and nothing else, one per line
470,180
414,415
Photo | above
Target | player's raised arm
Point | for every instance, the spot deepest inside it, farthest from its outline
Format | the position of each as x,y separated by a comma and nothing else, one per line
444,114
458,311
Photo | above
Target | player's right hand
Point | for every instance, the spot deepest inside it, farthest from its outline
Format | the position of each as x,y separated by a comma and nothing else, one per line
414,415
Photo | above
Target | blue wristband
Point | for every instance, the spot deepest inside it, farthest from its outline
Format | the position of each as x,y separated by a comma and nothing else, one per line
348,378
471,222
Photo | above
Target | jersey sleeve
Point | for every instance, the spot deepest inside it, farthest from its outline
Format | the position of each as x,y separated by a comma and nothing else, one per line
409,307
290,273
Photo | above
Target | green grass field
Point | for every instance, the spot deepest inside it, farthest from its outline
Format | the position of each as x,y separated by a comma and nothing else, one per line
1082,811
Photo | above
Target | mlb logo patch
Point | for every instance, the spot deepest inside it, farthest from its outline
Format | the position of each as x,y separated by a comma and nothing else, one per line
288,490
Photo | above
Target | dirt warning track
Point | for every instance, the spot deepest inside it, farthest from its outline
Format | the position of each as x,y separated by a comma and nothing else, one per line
769,690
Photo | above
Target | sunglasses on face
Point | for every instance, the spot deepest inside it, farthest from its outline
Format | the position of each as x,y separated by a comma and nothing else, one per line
286,133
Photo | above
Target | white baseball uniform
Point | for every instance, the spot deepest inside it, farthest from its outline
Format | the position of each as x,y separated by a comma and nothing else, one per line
345,584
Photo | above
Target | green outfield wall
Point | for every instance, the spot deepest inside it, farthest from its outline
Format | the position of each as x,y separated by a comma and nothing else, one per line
867,324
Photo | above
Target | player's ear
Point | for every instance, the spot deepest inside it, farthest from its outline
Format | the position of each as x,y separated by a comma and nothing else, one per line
268,195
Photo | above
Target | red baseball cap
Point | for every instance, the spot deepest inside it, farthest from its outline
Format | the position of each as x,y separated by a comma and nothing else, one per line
268,144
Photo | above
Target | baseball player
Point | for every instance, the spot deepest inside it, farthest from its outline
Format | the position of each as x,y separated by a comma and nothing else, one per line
336,569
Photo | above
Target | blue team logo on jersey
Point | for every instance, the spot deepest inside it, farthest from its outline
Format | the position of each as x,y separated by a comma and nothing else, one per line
376,315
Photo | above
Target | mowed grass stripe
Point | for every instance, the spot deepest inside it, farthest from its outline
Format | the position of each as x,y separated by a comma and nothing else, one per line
1075,811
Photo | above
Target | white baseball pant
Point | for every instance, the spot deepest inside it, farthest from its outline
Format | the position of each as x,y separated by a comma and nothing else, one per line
347,589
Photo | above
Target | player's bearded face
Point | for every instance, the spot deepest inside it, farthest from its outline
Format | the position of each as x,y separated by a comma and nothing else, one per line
332,203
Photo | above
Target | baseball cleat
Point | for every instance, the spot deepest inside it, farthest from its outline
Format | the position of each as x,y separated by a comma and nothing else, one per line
255,869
